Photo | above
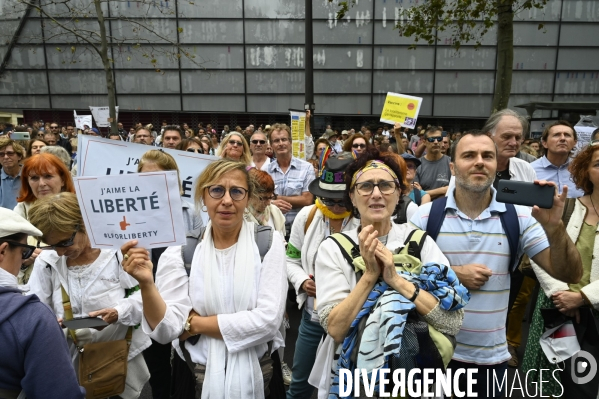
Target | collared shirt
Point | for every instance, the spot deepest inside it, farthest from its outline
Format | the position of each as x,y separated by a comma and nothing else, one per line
482,337
9,190
292,183
560,175
7,279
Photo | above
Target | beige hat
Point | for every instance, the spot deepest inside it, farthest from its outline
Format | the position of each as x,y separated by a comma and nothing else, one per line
12,223
344,132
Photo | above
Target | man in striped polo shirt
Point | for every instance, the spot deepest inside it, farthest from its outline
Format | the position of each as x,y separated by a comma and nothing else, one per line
474,241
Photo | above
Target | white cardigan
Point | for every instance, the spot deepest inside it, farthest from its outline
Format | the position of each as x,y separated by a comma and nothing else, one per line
551,285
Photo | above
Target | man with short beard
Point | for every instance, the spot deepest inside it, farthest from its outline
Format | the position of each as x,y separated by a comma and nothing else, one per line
473,238
171,137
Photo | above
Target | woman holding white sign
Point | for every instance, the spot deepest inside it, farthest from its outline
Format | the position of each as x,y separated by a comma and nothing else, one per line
78,281
232,296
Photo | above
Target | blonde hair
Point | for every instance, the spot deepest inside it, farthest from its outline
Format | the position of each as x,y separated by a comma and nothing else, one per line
246,157
161,159
216,171
279,126
59,213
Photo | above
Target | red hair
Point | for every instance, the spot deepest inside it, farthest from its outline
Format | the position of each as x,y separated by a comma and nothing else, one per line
41,164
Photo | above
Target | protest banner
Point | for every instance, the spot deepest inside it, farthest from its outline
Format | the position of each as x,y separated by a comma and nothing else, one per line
298,129
537,128
98,157
82,122
145,207
102,115
401,108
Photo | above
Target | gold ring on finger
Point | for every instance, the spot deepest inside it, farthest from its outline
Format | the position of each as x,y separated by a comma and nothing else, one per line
126,257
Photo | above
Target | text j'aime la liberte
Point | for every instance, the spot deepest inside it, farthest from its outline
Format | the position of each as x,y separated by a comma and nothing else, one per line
133,204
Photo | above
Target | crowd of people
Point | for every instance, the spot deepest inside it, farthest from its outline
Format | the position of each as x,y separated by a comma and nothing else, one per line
391,241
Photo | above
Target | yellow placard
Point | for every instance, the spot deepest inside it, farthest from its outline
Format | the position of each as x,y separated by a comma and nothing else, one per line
401,108
298,131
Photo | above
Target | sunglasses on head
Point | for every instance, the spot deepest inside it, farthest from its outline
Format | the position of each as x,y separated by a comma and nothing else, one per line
261,142
433,139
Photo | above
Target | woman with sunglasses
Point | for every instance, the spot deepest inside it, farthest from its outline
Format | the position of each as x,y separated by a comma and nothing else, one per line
311,226
348,293
235,147
191,145
93,280
356,143
42,175
231,298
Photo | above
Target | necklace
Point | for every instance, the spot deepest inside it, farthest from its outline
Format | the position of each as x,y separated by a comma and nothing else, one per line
591,197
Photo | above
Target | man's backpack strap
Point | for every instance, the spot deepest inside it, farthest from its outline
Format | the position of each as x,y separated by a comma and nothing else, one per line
511,226
349,248
310,218
262,234
414,243
436,217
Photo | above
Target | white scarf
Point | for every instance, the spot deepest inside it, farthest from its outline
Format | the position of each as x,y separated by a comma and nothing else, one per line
243,376
7,279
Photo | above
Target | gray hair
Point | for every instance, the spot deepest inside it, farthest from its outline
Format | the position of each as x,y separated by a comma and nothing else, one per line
493,121
59,152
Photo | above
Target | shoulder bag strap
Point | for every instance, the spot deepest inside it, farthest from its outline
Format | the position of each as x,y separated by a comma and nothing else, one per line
310,218
349,248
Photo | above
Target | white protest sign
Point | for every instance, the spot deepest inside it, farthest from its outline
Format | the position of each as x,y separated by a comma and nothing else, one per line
583,133
97,157
81,121
102,114
145,207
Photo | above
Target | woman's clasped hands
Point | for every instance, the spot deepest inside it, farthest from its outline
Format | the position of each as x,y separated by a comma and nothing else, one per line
377,257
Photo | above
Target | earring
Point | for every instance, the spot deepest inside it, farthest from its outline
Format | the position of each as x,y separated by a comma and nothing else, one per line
204,208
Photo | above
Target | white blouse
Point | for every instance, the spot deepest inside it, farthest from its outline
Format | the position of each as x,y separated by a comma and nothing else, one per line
241,330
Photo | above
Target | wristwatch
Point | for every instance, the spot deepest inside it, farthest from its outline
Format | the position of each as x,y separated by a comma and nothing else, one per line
188,324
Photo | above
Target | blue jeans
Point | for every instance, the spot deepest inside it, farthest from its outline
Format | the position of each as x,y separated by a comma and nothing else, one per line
483,387
308,338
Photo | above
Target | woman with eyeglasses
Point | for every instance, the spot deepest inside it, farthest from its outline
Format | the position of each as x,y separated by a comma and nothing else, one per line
232,298
235,147
42,175
356,143
312,225
94,282
366,304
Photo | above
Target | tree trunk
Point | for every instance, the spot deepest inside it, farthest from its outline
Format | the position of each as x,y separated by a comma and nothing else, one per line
106,62
505,54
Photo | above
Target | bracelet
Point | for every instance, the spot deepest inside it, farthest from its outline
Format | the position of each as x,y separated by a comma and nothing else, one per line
188,325
416,292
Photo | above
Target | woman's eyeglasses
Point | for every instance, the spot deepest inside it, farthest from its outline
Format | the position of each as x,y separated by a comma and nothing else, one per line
27,251
268,198
358,146
197,150
385,187
63,244
236,193
332,202
235,143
